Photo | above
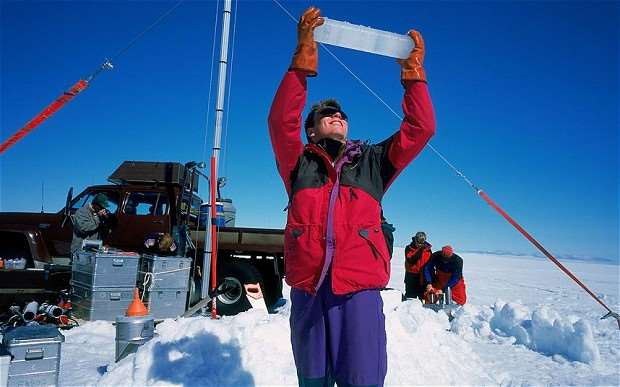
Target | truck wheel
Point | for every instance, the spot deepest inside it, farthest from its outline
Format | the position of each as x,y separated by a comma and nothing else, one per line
195,290
232,298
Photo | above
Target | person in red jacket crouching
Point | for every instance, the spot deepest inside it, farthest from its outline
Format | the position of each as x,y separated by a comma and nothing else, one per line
336,255
445,270
417,254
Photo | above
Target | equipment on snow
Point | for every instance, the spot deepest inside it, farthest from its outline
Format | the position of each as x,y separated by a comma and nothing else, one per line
440,302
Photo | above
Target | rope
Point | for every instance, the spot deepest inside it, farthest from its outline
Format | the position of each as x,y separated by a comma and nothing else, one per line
49,110
78,87
151,277
147,278
475,188
108,62
141,34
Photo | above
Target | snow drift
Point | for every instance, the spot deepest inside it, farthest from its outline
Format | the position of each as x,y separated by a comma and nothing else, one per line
254,349
530,341
542,330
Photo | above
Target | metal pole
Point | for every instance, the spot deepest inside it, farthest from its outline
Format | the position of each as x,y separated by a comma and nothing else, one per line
221,86
213,231
219,114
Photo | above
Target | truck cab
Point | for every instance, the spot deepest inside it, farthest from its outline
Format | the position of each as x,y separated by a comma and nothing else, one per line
146,198
137,209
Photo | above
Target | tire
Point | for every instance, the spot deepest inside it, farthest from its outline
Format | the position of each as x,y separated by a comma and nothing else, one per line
195,290
231,278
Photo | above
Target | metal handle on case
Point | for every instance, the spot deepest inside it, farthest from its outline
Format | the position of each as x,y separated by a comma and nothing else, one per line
34,354
115,296
118,262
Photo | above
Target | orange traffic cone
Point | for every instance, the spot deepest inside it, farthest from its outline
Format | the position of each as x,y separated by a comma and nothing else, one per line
136,308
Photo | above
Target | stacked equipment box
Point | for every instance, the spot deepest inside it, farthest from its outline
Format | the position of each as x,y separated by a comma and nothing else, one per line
165,281
35,352
5,362
102,283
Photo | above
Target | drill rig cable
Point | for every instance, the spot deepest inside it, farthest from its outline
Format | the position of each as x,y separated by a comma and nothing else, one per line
78,87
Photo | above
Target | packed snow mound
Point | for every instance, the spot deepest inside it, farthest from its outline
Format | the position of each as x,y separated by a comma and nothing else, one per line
422,349
200,351
542,330
254,349
86,352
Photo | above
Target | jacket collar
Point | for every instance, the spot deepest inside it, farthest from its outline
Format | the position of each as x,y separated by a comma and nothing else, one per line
352,149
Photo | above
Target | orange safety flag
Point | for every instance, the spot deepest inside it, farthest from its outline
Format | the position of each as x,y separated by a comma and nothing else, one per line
45,114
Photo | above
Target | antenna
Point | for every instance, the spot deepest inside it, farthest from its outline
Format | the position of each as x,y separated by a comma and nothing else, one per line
42,195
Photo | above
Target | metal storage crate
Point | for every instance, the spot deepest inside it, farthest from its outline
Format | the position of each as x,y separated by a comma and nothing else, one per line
105,270
5,362
100,303
166,272
35,350
165,303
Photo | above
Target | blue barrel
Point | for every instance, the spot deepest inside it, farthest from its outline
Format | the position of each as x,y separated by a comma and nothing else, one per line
228,211
205,215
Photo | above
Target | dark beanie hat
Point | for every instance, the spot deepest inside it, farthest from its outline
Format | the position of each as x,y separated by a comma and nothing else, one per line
101,199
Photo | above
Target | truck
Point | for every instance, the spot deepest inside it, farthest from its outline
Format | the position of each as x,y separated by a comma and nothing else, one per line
144,198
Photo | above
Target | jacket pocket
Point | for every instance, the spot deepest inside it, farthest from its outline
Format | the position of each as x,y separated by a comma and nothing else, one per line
303,254
361,260
374,241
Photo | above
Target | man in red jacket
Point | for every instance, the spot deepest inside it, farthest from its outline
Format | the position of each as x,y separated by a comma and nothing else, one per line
336,256
417,254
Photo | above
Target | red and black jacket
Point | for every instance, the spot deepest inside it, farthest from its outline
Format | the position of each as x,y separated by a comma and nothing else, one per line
334,207
417,257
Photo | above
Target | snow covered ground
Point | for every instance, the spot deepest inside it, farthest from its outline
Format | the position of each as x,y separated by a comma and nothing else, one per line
525,323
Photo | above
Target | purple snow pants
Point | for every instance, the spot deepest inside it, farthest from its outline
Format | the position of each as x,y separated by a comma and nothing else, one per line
338,338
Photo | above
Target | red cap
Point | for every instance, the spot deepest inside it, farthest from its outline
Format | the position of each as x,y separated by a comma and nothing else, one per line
447,251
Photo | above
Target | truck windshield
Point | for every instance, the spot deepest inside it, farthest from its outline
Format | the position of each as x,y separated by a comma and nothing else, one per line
146,204
87,196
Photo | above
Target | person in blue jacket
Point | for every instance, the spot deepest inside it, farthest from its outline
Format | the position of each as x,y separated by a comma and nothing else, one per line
445,270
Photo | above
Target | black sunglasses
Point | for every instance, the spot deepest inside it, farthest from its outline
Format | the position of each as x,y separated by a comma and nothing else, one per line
330,111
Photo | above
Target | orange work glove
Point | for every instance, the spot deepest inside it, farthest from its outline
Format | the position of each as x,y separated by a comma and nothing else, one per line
306,56
411,68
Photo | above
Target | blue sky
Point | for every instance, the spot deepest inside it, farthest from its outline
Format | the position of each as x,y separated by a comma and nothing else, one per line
525,93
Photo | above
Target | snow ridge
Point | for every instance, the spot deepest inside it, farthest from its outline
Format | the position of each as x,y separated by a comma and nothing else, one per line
542,330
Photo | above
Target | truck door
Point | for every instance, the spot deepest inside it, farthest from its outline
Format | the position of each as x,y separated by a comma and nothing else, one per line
58,235
142,213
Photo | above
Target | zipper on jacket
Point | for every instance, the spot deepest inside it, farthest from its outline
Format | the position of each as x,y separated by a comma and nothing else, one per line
364,233
352,194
